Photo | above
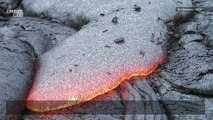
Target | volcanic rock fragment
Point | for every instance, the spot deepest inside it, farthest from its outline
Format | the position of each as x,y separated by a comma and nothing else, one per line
119,40
115,20
137,8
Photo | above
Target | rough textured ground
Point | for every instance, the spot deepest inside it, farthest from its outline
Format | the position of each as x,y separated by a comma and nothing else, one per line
21,41
185,75
41,34
16,71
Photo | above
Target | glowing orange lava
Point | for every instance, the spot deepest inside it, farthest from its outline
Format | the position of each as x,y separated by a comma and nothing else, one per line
44,106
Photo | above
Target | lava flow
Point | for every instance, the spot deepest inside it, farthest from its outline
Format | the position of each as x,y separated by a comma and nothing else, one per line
82,68
75,96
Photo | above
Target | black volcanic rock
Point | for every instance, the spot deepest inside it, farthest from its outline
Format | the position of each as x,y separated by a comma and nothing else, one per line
41,34
21,41
16,72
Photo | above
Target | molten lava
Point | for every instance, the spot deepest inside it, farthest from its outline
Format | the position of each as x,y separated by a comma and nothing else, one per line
82,68
80,95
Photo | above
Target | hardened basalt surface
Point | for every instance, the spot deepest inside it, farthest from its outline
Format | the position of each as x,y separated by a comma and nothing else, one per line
21,41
